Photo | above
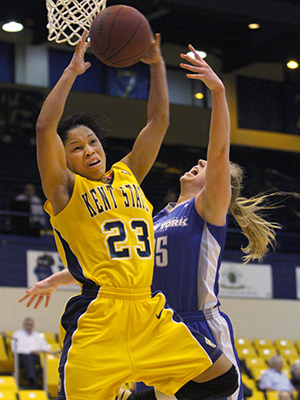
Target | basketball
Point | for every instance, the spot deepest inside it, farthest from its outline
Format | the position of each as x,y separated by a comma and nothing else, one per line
120,35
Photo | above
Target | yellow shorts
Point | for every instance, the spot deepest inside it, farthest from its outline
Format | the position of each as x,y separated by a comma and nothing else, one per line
120,335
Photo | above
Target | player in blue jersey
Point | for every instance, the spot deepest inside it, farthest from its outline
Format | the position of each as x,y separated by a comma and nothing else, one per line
115,330
190,233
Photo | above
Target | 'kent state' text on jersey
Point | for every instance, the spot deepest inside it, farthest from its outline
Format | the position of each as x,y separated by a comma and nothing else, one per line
105,233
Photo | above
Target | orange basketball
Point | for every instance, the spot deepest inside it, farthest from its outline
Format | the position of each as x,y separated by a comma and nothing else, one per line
120,35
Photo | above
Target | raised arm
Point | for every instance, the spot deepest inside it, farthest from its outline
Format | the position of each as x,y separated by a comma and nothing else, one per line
213,201
47,287
148,142
56,178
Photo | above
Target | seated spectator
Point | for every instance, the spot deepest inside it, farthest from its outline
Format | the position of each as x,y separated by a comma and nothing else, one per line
295,377
274,379
28,345
28,202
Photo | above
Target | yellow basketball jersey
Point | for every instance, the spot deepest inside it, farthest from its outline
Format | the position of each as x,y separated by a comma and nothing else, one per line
105,233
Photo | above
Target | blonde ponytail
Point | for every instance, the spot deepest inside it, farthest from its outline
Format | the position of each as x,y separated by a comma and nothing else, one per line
248,213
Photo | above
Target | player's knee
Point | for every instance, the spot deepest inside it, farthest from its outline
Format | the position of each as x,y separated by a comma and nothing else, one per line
222,386
228,382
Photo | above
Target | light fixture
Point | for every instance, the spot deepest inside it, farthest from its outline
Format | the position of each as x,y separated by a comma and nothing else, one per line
199,96
201,53
253,26
12,26
292,64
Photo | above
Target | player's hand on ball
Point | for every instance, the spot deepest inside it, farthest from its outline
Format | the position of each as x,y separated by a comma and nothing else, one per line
153,54
78,63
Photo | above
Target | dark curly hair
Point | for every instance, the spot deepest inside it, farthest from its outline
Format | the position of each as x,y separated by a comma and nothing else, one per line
97,123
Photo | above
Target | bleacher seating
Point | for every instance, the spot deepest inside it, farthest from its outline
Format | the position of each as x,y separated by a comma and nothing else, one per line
32,395
50,337
8,395
9,389
267,352
55,347
7,337
8,382
262,343
6,362
284,344
297,344
256,353
257,395
250,351
246,351
242,342
52,374
293,360
255,362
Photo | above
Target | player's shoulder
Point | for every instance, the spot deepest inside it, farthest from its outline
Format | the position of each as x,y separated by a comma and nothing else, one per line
121,167
121,172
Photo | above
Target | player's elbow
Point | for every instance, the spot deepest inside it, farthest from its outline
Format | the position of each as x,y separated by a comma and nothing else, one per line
162,122
40,126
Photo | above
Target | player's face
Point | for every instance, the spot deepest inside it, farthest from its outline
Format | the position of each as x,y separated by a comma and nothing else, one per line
84,153
196,175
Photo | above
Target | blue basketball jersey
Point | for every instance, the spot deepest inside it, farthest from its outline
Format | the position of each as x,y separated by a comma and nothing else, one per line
188,253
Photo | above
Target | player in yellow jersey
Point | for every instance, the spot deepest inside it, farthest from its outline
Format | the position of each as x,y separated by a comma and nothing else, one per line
116,331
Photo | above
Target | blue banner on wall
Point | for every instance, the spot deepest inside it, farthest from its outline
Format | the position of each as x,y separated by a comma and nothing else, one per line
91,81
7,62
131,82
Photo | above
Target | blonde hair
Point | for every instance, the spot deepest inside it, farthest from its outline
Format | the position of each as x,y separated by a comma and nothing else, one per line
248,213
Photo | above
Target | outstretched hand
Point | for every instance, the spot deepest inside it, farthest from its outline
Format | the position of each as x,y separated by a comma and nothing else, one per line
153,54
77,63
201,70
37,293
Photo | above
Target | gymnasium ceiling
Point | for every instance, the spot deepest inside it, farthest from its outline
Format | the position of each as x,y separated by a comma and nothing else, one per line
217,26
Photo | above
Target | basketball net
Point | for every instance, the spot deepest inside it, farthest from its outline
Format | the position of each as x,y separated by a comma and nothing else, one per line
68,18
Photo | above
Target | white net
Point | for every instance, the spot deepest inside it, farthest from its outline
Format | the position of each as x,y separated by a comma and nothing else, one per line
68,18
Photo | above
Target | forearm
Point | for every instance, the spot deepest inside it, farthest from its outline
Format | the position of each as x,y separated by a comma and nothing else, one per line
217,179
148,142
62,278
219,136
158,102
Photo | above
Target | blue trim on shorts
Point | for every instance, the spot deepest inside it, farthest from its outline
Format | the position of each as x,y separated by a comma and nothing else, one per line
213,352
198,320
75,307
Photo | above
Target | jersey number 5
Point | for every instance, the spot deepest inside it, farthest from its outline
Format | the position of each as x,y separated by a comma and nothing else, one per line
161,251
